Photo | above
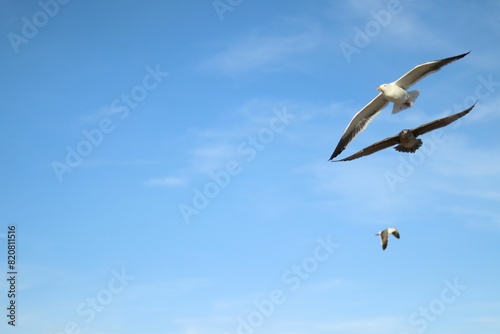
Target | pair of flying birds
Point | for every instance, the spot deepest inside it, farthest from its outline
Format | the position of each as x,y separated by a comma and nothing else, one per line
396,92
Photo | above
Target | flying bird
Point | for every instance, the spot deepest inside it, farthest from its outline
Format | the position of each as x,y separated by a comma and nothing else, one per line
407,140
395,92
384,236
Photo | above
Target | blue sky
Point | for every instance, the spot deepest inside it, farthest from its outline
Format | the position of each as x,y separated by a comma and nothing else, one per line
166,167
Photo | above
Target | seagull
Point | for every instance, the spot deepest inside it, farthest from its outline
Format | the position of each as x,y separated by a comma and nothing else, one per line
384,236
407,140
395,92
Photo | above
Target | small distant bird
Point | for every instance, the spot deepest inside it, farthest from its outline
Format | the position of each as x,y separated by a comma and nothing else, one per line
396,92
384,236
407,140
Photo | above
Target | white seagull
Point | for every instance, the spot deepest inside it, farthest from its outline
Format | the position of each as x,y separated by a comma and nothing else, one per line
395,92
384,236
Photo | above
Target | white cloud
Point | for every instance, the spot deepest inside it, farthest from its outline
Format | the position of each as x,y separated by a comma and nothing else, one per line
355,184
477,217
480,163
212,148
383,324
169,181
216,324
335,284
257,51
385,25
211,156
95,116
487,321
170,288
93,163
486,110
405,29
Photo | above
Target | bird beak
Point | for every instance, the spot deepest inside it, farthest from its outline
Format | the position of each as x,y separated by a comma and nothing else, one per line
379,89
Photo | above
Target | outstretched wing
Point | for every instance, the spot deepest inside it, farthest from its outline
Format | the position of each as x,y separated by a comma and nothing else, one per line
440,122
359,122
378,146
384,239
395,233
423,70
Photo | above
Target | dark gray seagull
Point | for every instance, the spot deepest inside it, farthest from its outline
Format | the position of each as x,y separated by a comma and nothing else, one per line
395,92
384,236
407,140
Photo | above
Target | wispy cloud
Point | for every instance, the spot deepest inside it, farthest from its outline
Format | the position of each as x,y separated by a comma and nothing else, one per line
168,181
335,284
406,29
95,116
94,163
210,156
487,321
383,324
394,24
354,185
451,161
476,217
170,288
212,148
486,110
258,51
205,325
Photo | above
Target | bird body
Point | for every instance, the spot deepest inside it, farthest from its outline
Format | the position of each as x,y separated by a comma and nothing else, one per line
407,142
398,96
384,236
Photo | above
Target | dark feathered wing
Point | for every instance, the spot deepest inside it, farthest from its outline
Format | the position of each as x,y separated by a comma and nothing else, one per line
359,122
384,239
421,71
428,127
378,146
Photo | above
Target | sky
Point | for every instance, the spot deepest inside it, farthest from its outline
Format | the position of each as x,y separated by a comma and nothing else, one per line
165,168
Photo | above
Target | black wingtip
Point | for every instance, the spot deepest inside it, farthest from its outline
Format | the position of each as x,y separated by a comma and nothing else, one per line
470,108
344,141
462,55
340,160
335,153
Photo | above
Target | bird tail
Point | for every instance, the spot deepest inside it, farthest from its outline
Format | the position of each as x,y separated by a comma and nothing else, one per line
412,96
416,146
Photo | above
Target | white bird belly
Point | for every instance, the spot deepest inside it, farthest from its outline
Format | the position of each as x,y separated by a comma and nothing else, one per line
396,94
